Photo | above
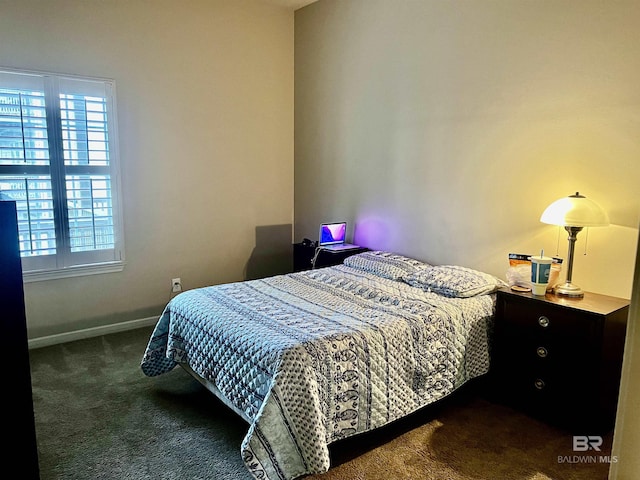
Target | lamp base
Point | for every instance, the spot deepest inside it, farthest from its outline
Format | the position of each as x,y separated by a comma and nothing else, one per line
568,289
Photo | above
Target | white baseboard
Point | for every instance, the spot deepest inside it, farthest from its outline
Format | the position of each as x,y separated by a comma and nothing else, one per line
91,332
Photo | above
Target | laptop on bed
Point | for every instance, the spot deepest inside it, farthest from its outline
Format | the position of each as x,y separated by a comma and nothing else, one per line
333,236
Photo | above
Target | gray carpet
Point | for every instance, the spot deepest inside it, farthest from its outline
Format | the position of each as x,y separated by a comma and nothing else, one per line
98,417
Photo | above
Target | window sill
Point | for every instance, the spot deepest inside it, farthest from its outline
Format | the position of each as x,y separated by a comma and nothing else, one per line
76,271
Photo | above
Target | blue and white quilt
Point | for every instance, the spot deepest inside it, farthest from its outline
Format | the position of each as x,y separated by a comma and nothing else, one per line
313,357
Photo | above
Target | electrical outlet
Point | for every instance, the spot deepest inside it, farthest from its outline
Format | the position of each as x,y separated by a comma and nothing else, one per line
176,285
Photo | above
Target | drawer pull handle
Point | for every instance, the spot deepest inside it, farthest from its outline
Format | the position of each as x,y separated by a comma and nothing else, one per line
542,352
539,384
543,321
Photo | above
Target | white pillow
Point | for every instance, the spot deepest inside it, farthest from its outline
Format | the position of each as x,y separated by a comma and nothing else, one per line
454,281
385,264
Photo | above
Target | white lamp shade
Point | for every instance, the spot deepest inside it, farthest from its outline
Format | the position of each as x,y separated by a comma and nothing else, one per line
575,211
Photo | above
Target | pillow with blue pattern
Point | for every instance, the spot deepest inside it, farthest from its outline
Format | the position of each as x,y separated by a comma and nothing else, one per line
454,281
385,264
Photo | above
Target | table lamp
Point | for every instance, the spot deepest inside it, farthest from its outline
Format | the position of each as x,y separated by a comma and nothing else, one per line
573,213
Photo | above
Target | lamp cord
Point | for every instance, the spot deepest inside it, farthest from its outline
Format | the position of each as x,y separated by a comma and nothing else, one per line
586,239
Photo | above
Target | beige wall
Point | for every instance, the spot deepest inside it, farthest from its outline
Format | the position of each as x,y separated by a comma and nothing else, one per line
442,130
205,111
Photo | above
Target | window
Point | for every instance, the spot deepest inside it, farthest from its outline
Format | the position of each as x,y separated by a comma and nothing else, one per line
58,161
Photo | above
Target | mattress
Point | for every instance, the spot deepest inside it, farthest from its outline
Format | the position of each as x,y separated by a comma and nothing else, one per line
312,357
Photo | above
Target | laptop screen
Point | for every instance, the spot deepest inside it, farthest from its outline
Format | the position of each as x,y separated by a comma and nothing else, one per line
332,233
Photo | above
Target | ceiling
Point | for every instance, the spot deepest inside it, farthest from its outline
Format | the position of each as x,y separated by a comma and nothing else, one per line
294,4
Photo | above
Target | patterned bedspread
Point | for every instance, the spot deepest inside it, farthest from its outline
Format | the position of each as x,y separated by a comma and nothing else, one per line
317,356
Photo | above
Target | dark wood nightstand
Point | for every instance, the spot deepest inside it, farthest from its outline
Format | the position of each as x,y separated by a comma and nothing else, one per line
303,256
558,358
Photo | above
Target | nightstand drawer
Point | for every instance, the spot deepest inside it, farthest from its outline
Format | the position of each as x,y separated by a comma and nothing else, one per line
552,396
539,347
551,321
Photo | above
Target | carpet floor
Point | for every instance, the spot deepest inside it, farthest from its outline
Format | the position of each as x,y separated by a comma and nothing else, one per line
98,417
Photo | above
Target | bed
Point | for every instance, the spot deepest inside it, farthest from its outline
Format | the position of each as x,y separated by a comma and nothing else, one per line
312,357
